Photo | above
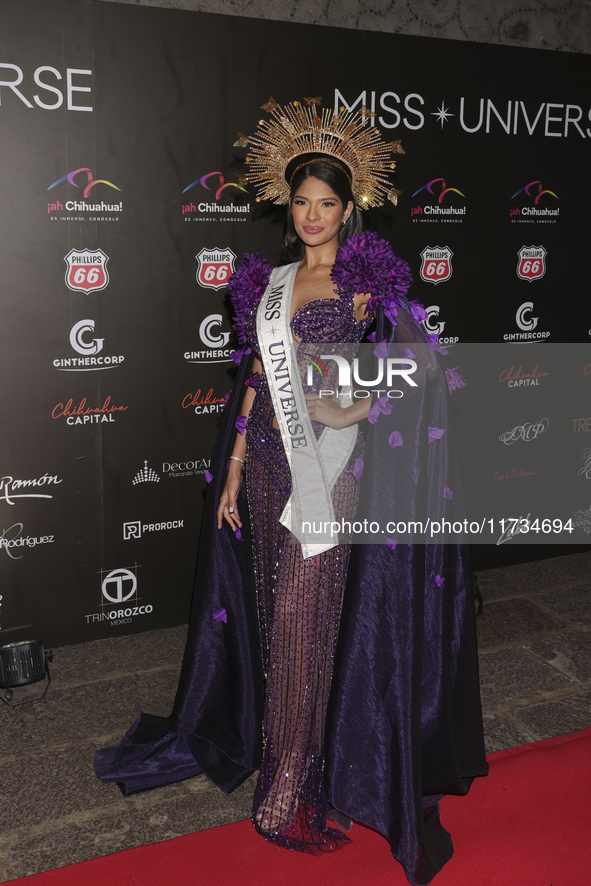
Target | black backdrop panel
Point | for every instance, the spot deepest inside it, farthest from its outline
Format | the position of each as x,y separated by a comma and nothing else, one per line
121,219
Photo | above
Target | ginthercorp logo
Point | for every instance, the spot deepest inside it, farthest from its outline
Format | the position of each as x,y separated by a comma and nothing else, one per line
215,341
531,195
215,267
84,181
528,431
531,263
135,528
214,205
90,349
86,270
527,324
119,601
12,488
436,327
436,266
435,210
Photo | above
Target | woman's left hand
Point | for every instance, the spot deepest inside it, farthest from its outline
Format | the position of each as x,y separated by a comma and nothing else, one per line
327,411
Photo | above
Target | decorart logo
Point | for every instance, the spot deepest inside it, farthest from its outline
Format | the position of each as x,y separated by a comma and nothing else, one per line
532,212
92,211
214,340
531,263
436,211
82,414
89,348
86,270
119,601
215,267
189,468
436,266
528,431
11,488
214,205
527,324
436,327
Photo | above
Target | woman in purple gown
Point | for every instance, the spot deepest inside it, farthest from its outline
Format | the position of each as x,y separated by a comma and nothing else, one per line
359,660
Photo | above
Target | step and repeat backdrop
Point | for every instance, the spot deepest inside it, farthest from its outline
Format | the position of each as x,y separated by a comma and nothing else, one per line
122,216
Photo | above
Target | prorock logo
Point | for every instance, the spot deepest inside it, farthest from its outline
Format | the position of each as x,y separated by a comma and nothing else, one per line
86,270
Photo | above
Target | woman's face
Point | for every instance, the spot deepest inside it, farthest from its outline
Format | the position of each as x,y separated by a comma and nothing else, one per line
317,212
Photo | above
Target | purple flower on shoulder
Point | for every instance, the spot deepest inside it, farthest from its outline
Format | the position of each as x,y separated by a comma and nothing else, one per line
395,439
391,543
383,406
238,534
439,581
208,477
241,424
381,350
447,493
220,615
434,434
418,311
254,381
358,469
454,379
246,287
409,354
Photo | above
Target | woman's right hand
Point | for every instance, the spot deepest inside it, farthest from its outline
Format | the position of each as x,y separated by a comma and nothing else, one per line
228,507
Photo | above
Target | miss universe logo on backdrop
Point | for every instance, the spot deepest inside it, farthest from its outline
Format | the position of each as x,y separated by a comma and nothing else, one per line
436,266
215,267
86,270
95,210
531,263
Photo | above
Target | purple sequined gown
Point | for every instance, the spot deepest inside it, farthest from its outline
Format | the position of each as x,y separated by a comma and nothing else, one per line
299,604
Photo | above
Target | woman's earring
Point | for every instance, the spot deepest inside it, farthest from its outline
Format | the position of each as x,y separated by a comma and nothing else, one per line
344,221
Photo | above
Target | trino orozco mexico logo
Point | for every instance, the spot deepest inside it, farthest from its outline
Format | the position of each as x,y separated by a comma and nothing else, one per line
86,270
531,263
215,267
119,597
436,266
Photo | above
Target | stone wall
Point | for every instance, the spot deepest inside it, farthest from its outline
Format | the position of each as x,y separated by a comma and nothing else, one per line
562,24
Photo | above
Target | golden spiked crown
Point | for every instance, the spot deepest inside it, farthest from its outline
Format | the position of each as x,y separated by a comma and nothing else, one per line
297,129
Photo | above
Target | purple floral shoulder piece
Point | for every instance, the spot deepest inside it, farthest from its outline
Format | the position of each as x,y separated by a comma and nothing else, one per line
246,287
367,263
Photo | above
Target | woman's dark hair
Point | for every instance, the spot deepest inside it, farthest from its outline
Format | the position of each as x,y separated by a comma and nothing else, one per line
333,174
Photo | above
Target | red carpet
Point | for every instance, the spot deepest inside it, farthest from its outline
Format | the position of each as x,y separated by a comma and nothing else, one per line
527,824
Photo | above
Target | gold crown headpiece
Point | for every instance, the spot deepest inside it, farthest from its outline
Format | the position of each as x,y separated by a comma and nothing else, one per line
297,129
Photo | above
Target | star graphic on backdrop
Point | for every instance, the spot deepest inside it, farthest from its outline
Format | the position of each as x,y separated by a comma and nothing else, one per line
442,114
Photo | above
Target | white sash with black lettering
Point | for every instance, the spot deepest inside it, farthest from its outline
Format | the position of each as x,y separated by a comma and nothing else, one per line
315,465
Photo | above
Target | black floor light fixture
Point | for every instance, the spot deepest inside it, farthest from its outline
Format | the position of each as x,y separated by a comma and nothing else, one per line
23,663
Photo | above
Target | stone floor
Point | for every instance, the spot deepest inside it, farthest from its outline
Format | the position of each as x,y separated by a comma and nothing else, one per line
535,670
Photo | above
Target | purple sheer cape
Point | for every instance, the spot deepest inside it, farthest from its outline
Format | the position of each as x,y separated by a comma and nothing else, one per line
404,716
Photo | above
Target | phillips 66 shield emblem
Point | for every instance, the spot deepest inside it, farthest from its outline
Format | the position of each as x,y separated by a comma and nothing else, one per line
531,263
436,267
86,270
215,267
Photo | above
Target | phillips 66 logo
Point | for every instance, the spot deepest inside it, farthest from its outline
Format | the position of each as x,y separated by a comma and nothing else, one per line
531,263
86,270
436,267
215,267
